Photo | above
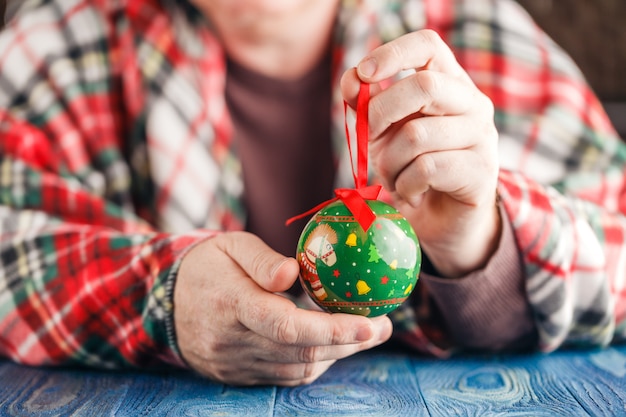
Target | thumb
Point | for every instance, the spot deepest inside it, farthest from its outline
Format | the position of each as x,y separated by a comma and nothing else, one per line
282,276
271,270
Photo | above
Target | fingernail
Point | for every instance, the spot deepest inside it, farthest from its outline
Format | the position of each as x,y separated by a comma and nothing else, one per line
367,67
363,334
387,333
387,328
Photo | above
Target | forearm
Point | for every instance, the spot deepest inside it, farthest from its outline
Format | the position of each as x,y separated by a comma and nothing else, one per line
487,309
76,294
555,279
573,252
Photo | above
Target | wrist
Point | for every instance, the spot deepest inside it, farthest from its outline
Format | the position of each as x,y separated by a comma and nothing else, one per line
455,257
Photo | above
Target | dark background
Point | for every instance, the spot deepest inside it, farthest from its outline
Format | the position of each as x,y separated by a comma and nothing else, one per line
594,34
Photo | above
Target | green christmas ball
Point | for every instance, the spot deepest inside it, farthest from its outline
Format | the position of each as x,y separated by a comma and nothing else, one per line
346,269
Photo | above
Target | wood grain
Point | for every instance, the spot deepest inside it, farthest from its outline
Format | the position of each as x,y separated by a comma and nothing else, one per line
565,384
365,385
577,383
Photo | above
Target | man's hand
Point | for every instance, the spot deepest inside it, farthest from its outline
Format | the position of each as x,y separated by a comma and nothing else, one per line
433,145
232,327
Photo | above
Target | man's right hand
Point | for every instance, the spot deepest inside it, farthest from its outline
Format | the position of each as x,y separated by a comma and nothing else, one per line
232,326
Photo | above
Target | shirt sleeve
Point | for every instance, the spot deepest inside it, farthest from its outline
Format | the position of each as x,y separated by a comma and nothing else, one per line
562,174
83,278
561,185
488,309
83,281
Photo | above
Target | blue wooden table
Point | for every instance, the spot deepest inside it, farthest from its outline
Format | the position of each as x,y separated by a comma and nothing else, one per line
589,383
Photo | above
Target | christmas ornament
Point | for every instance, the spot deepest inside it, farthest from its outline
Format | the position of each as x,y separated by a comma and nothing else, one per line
347,269
357,254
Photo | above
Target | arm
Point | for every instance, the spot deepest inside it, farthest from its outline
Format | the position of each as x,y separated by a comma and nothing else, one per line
545,117
87,280
83,281
561,182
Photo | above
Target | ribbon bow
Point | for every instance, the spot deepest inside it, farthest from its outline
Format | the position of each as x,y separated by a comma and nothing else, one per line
354,198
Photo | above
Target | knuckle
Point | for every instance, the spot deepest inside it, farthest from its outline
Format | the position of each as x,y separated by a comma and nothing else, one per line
228,242
417,133
376,109
336,336
430,36
428,82
258,264
383,169
232,240
425,166
288,372
307,381
395,50
296,374
491,132
221,375
217,371
285,331
430,39
485,105
493,165
309,354
482,104
309,373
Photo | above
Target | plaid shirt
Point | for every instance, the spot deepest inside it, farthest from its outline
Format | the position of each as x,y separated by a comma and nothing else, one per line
116,157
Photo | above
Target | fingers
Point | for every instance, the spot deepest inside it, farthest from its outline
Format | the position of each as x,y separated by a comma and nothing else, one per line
397,149
236,363
267,373
400,146
277,318
417,50
446,172
280,321
459,118
350,84
281,353
278,348
269,269
425,93
291,375
290,365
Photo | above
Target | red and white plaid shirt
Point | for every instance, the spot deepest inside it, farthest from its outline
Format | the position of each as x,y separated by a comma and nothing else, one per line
116,156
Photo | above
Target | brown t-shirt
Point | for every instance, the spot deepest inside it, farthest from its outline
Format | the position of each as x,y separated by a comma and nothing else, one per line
283,140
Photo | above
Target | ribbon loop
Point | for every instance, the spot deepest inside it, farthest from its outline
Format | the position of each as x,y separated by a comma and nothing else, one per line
354,199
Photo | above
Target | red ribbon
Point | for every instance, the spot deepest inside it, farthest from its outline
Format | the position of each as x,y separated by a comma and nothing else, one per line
354,199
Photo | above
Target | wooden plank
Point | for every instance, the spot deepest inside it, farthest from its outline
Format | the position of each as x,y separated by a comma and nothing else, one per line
566,383
369,384
375,384
71,392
